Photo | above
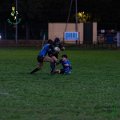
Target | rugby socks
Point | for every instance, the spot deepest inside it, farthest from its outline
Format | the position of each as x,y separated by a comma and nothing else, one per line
52,65
35,70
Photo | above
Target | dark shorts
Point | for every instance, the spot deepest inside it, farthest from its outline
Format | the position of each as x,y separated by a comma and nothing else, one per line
56,55
40,59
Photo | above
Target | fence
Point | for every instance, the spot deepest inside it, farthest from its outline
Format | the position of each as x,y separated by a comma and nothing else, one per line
24,43
26,31
32,34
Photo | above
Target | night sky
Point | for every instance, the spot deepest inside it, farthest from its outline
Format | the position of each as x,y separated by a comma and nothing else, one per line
102,11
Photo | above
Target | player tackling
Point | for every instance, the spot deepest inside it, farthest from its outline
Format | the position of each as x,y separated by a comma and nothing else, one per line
46,55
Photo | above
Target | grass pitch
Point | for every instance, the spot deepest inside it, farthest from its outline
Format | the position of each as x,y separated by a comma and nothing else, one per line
91,92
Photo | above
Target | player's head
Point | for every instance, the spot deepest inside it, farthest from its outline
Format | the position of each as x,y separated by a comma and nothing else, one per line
57,40
57,43
64,57
50,41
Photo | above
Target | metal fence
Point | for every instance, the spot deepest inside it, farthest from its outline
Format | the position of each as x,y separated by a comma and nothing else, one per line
26,31
32,34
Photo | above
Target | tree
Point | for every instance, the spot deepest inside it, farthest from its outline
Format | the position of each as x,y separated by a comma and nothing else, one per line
83,17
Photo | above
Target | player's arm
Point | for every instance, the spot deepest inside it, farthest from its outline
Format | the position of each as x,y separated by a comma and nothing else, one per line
50,50
61,47
66,65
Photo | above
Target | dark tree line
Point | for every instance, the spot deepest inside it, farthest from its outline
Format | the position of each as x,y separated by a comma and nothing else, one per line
35,14
57,10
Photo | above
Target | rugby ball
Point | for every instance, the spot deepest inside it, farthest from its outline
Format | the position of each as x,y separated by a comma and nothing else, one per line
57,49
63,48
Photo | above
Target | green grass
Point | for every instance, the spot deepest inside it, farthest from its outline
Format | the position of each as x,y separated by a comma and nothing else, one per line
91,92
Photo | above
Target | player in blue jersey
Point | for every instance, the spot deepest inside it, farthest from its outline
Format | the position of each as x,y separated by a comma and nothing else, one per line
66,66
54,54
45,55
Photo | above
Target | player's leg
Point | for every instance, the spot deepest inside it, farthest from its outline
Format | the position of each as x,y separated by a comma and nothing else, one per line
47,59
61,71
40,64
53,64
54,58
57,71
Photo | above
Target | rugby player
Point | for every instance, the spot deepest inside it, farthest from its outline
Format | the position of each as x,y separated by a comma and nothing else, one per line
67,68
46,55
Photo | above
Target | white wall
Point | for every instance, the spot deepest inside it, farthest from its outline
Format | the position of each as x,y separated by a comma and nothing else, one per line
58,29
94,33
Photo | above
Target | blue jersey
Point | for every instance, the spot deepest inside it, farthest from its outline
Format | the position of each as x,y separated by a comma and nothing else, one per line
43,52
66,66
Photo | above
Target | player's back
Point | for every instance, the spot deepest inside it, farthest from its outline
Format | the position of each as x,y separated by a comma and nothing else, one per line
44,50
66,66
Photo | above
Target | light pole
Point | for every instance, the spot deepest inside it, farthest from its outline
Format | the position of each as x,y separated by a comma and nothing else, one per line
76,11
16,32
76,24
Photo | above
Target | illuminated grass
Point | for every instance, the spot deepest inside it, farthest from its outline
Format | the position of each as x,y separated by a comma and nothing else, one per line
91,92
